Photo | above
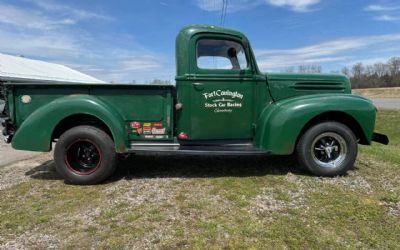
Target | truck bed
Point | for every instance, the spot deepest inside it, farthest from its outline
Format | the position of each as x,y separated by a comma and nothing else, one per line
141,103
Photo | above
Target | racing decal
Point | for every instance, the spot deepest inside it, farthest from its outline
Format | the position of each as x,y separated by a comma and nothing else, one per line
146,130
223,101
149,128
135,125
158,124
158,131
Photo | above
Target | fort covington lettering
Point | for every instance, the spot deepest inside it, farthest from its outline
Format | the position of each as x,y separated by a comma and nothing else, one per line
221,93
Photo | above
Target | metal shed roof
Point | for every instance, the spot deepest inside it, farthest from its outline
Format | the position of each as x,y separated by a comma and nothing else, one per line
20,68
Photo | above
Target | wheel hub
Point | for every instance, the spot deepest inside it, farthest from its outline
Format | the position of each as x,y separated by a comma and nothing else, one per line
83,157
329,150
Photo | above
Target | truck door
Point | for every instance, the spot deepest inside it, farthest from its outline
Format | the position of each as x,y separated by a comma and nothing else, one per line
220,105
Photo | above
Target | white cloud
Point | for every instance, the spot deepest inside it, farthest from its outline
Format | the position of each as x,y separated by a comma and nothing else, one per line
233,5
45,16
378,8
50,45
340,50
140,63
51,6
386,18
296,5
386,13
240,5
43,32
369,61
24,18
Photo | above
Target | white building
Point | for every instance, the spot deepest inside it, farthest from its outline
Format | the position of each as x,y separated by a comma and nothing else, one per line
14,68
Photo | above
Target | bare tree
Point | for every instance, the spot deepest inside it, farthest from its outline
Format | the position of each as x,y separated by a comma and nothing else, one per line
346,71
358,70
394,66
380,69
311,69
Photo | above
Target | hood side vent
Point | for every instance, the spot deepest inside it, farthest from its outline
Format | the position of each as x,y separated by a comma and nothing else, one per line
318,86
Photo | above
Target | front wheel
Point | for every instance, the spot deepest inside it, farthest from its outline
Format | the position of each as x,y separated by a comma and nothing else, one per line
85,155
327,149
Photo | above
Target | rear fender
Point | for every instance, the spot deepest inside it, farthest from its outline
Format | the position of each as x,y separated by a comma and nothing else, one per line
35,133
281,123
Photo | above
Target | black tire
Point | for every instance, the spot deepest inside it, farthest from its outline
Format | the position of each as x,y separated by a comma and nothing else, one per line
85,155
316,154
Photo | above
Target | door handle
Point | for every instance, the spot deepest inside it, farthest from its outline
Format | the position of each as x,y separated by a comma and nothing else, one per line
198,85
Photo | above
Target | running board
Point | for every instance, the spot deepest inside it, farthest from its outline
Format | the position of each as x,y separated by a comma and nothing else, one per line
176,148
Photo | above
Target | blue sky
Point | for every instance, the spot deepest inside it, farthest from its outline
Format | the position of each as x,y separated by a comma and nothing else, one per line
125,40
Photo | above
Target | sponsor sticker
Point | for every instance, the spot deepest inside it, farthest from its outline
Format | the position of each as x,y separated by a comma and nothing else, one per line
147,130
158,131
135,124
158,124
147,124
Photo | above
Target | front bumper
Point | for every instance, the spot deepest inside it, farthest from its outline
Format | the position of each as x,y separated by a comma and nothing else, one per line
380,138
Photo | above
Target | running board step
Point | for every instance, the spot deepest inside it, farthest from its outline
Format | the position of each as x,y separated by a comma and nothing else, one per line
174,148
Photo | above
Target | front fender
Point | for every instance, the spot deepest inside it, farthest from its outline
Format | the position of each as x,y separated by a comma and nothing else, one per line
281,123
35,133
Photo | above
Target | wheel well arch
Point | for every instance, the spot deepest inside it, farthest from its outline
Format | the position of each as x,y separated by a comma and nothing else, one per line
341,117
78,120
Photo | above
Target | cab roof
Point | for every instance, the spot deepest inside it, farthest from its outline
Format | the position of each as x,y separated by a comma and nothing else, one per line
192,30
184,37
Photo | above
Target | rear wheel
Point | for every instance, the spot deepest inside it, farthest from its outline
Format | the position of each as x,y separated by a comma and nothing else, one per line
85,155
327,149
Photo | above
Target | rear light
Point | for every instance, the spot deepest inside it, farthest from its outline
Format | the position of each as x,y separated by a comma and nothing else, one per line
182,136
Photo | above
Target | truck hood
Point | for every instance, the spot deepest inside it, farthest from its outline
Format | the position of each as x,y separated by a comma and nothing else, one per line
284,86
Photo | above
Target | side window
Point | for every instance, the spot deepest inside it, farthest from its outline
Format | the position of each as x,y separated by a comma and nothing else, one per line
220,54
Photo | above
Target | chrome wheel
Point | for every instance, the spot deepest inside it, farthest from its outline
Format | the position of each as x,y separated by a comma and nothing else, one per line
329,150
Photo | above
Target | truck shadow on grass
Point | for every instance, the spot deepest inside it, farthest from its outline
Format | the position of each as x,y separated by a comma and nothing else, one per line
203,166
150,166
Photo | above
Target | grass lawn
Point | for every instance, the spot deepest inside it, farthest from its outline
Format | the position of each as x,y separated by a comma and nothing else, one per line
208,202
379,92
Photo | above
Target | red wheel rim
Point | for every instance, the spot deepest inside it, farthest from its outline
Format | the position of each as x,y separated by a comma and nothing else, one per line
83,157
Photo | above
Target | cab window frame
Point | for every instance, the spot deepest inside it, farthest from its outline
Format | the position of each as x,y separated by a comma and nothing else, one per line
205,71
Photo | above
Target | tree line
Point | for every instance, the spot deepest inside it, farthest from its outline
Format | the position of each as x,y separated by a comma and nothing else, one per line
377,75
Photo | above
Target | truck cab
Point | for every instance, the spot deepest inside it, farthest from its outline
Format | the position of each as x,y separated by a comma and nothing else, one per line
219,87
221,104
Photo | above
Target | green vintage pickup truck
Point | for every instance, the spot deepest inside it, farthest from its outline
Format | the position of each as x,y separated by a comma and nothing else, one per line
221,104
